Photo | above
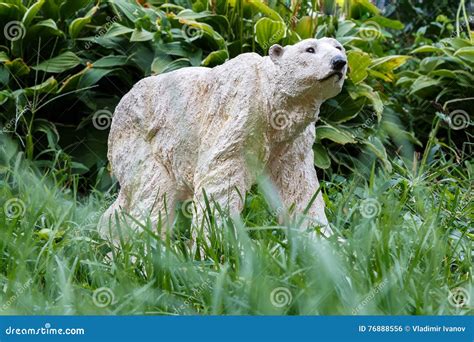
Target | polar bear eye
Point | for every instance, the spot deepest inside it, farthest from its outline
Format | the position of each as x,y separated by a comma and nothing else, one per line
310,50
339,48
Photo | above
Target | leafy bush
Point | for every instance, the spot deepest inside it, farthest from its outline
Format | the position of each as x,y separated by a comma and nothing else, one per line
66,64
441,83
403,228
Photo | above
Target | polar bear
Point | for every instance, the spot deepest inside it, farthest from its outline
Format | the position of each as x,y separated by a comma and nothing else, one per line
198,132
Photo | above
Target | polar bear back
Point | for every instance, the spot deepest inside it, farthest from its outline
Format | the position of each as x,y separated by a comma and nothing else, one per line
174,116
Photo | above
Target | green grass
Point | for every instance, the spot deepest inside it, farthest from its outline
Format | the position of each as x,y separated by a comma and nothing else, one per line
401,258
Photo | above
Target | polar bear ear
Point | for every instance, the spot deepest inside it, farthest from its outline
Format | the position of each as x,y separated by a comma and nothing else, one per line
275,52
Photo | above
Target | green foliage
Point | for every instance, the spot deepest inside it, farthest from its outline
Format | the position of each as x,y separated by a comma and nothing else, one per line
404,233
442,83
67,63
389,142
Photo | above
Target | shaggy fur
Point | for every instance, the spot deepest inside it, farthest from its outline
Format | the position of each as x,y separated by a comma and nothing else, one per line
177,134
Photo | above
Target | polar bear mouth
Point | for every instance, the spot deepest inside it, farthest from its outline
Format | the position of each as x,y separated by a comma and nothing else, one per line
334,73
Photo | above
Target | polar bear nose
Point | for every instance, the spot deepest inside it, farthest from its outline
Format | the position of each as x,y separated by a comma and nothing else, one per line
338,63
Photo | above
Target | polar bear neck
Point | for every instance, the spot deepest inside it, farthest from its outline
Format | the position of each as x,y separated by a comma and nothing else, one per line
283,95
289,112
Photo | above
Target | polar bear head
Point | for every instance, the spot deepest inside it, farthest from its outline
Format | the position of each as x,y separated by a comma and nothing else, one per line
312,66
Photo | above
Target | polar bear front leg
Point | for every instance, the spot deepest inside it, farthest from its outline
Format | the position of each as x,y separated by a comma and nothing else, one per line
225,183
292,171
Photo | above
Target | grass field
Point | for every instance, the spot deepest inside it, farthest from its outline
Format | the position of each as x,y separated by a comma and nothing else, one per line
402,245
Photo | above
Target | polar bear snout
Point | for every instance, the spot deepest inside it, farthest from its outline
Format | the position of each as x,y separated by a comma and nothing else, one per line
337,66
338,63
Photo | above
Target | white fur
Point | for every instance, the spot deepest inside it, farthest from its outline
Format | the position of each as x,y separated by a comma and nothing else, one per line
217,129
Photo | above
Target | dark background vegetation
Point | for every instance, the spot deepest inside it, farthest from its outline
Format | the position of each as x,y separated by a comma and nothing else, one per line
78,58
393,151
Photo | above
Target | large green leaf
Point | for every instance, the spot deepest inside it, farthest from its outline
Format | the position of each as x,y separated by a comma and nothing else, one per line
374,145
68,8
193,30
269,32
110,62
364,90
164,63
17,67
215,58
466,53
362,8
78,24
344,28
321,157
49,26
4,96
92,76
12,9
218,22
176,64
334,134
49,86
305,27
31,12
383,67
429,64
117,29
51,9
389,23
389,63
160,62
141,35
264,9
427,49
358,62
423,83
131,10
61,63
342,109
443,73
3,56
457,43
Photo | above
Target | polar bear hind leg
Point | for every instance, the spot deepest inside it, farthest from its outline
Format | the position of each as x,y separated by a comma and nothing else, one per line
148,192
